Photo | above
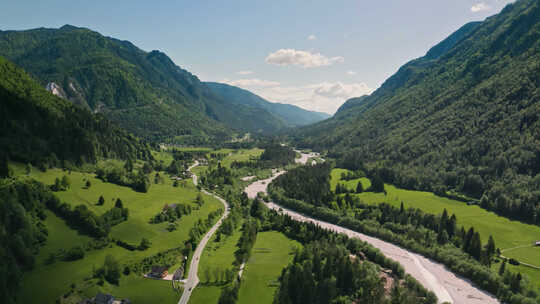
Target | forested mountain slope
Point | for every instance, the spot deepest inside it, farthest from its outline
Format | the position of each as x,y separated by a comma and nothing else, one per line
38,127
292,116
145,92
465,117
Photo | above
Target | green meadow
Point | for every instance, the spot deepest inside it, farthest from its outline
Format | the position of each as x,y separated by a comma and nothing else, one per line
239,155
215,255
270,254
142,207
507,233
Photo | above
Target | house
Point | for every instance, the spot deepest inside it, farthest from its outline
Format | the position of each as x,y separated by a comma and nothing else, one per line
537,243
159,272
102,298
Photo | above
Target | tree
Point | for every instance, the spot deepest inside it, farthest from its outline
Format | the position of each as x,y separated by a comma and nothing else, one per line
359,187
147,168
199,200
377,184
57,185
101,200
127,271
257,209
118,203
502,268
88,184
65,182
490,250
4,167
145,244
111,270
28,168
128,165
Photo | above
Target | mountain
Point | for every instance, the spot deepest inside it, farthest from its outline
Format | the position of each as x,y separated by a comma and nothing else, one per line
464,118
144,92
39,128
292,116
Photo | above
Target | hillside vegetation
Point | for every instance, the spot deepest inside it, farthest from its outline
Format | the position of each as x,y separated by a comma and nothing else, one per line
39,128
145,92
464,118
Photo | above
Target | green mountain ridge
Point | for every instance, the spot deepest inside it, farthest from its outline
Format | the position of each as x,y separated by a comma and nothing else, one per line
291,115
38,127
144,92
463,118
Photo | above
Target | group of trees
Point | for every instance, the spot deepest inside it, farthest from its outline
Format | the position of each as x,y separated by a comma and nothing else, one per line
22,231
110,271
328,272
217,176
307,183
124,176
218,275
276,155
436,237
200,228
42,129
171,214
61,184
86,221
246,242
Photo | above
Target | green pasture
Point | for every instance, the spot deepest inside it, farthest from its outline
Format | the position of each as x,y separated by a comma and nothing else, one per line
142,207
507,233
270,254
215,255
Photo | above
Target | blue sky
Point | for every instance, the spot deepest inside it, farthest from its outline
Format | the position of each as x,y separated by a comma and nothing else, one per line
314,54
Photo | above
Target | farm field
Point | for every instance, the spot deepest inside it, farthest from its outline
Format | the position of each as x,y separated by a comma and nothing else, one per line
239,155
142,207
270,254
507,233
215,255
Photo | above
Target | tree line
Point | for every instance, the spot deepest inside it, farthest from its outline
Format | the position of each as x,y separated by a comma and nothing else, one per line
436,237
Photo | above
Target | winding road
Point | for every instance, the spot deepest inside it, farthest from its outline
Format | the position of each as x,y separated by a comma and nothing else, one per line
434,276
192,279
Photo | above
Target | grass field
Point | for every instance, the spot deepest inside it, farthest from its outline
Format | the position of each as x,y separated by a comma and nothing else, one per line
271,253
205,295
215,255
240,155
142,207
138,290
507,233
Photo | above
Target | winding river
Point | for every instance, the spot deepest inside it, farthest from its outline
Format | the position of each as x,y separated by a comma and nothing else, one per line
434,276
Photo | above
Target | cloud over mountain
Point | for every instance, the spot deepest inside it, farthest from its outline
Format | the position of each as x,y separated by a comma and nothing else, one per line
305,59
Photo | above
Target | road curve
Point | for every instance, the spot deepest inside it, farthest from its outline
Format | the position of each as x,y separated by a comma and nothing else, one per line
434,276
192,279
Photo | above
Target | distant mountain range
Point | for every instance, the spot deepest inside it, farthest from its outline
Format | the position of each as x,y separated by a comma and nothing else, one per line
465,117
291,116
144,92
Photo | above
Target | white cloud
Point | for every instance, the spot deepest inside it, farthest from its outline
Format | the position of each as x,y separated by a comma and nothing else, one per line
253,82
351,73
312,37
479,7
324,97
305,59
244,72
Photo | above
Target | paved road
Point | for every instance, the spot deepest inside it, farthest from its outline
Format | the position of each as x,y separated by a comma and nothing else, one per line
192,279
434,276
